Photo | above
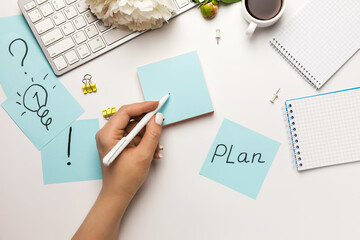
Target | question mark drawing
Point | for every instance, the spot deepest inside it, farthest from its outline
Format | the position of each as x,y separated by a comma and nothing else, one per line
26,50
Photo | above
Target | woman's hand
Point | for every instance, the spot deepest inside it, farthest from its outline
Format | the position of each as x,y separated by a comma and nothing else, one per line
126,174
129,170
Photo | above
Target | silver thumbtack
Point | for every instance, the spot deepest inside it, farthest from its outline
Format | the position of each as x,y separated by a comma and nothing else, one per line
275,96
217,36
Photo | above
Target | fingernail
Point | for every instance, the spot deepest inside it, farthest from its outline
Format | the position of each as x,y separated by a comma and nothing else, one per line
159,118
160,155
161,147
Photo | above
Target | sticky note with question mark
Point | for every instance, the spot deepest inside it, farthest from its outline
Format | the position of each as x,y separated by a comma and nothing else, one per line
72,155
42,107
20,55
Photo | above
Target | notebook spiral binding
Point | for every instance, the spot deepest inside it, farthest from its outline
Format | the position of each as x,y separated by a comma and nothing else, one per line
295,63
293,134
288,133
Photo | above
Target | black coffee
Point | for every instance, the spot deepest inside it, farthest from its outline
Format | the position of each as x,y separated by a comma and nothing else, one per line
263,9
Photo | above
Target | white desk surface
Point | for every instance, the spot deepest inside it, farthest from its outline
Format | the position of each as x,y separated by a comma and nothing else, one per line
176,202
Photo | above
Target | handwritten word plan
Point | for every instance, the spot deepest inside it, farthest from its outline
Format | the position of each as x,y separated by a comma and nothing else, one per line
239,158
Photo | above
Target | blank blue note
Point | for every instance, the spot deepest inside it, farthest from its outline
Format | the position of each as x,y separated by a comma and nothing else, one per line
239,158
183,78
17,69
42,108
72,155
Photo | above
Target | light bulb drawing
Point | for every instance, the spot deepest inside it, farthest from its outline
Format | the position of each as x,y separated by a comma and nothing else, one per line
35,99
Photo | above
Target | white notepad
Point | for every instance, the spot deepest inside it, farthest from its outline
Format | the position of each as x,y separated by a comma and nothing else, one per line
325,128
320,38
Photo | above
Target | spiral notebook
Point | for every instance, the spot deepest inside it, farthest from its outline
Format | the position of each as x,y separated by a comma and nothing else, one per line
325,128
320,38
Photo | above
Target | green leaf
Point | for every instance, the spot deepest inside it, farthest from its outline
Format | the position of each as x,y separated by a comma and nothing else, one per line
229,1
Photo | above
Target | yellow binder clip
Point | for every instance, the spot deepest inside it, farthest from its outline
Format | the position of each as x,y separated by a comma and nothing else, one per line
107,113
88,86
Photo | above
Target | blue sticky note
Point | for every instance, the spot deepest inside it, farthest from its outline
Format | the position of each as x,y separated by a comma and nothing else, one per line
20,55
239,158
42,108
183,78
72,155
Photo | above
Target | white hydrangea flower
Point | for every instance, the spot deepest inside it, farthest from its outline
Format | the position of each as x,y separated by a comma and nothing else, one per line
137,15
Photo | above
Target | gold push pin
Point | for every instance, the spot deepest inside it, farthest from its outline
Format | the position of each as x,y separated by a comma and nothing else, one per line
217,36
275,96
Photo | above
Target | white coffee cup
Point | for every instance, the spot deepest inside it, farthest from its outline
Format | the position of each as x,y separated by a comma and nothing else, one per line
255,22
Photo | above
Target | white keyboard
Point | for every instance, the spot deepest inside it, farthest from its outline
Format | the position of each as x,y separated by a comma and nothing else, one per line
70,35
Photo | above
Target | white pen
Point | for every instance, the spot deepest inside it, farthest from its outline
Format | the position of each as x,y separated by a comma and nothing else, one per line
121,145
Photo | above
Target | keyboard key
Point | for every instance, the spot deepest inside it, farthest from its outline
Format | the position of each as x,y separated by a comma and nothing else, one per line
71,57
96,44
70,1
44,26
51,36
61,47
46,9
115,35
40,1
90,18
83,51
70,12
91,31
60,63
79,22
67,28
29,5
35,15
79,37
102,26
82,6
59,18
182,3
58,4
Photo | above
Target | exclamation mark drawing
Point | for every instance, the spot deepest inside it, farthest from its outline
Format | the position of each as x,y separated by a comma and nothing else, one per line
69,143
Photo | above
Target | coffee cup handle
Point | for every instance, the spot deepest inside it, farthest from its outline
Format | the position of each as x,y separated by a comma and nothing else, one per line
251,29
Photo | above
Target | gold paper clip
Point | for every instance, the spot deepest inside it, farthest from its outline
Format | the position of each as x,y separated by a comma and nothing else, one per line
108,112
88,87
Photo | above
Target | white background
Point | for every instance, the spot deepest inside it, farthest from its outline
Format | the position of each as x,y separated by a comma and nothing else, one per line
176,202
